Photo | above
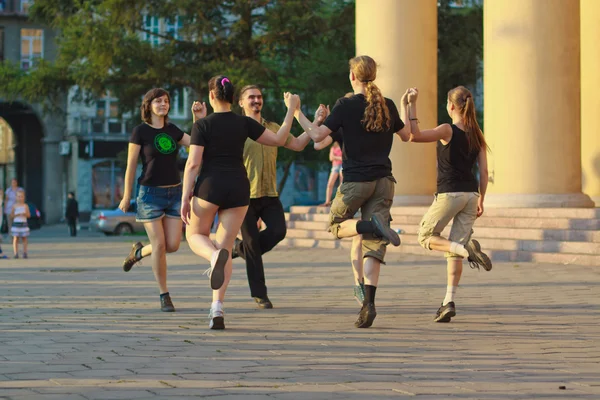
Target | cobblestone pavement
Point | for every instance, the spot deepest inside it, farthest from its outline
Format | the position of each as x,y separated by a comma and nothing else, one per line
73,325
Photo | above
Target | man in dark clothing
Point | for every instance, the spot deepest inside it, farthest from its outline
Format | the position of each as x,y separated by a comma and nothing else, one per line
72,213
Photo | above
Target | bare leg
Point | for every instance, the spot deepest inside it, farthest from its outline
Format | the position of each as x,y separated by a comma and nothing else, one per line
172,229
330,184
15,245
25,241
372,268
156,234
230,222
356,256
198,231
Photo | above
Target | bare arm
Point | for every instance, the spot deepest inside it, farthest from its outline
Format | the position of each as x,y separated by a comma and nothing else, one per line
298,143
316,133
442,132
192,168
27,212
269,138
133,154
404,133
323,143
483,179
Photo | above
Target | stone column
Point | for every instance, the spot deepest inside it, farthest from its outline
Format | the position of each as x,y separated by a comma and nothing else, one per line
590,98
532,103
401,36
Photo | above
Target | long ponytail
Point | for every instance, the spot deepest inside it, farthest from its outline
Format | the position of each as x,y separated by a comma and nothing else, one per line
377,115
462,99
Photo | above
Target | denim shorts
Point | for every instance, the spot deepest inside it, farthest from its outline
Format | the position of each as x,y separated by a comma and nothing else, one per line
336,168
153,203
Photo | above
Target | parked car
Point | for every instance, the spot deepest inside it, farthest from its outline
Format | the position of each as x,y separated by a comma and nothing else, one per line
114,221
35,220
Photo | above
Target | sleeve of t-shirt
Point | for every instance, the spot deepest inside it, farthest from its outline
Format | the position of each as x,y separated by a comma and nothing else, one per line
334,120
136,137
337,136
397,123
254,129
177,133
199,134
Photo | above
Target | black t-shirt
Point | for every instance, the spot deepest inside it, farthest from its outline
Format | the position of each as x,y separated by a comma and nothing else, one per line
455,164
223,136
365,154
338,136
159,154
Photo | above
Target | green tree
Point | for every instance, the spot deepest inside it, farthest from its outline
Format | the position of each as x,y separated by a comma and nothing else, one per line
460,49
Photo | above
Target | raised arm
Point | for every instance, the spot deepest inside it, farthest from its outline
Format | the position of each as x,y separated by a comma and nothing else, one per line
192,168
442,132
405,132
483,179
316,133
270,138
323,143
133,153
198,111
300,142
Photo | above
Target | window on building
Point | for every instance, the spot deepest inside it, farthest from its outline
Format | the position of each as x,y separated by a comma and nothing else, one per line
172,27
2,5
32,45
152,27
26,5
107,116
1,43
178,103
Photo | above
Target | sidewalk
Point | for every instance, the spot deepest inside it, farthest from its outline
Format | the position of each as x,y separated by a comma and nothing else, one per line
73,325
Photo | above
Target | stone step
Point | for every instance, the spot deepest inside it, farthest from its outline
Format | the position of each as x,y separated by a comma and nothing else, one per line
320,221
496,255
571,213
488,243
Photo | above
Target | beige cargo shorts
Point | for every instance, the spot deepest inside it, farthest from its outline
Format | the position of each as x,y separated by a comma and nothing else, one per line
372,198
458,206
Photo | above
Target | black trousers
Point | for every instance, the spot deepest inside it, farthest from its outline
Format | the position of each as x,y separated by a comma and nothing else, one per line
255,243
72,222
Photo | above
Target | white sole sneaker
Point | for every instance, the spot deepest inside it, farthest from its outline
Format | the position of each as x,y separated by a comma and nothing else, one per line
217,319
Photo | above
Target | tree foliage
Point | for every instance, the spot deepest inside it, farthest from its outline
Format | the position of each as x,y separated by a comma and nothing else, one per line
460,49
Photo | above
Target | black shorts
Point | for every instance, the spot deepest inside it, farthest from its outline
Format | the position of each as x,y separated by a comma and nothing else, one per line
224,189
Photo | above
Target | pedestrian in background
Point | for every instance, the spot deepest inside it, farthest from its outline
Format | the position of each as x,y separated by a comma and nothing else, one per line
72,213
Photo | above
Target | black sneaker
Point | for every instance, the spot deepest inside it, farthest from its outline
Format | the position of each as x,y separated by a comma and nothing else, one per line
385,231
166,304
477,257
366,316
234,251
263,302
132,258
445,313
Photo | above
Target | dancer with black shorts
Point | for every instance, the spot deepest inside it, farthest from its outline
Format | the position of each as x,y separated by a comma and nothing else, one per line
369,122
459,196
223,187
158,207
261,165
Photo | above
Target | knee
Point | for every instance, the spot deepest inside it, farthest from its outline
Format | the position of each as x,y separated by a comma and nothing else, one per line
159,247
172,247
279,233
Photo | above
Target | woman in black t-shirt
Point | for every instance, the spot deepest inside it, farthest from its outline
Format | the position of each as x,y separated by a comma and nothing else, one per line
217,144
369,122
459,196
159,192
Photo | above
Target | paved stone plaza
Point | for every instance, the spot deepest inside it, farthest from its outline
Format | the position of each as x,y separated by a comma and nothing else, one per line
75,326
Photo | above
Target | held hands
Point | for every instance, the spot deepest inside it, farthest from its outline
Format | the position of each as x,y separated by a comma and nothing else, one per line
124,204
413,94
292,101
199,110
405,98
321,113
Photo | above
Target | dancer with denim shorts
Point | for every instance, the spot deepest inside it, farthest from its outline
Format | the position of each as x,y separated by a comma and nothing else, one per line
159,194
459,196
369,122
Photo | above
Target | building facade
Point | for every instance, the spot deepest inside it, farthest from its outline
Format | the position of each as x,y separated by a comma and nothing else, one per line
83,151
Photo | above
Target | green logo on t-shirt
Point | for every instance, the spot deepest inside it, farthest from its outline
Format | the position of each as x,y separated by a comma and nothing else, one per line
164,143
